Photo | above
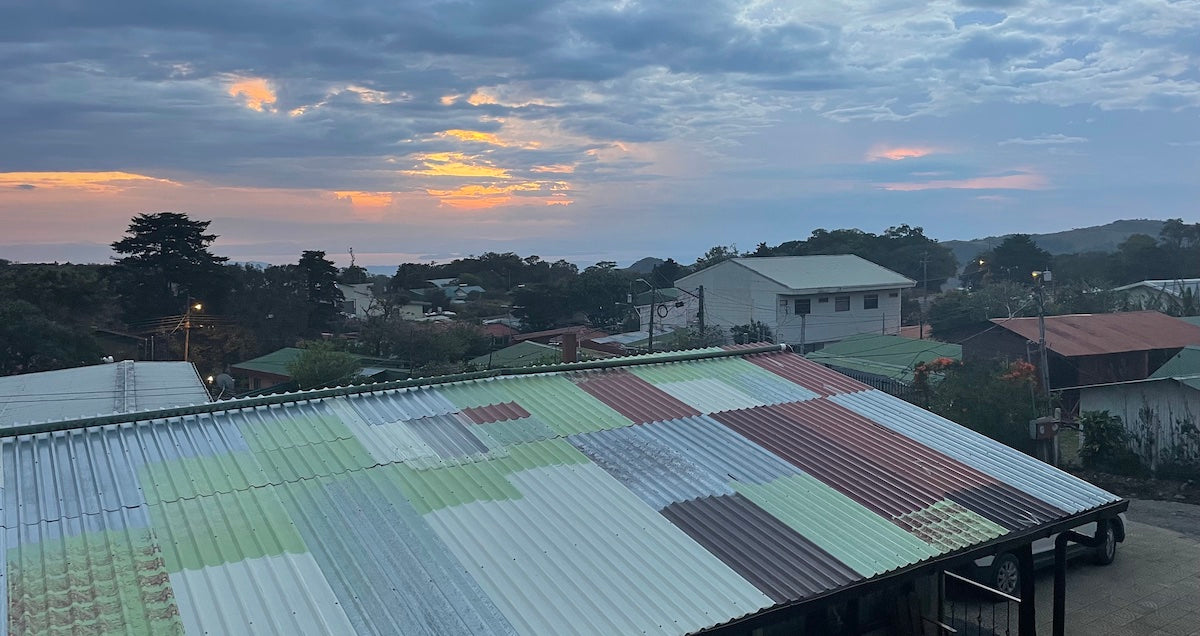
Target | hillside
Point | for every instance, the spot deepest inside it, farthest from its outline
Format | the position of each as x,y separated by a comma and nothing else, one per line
1098,238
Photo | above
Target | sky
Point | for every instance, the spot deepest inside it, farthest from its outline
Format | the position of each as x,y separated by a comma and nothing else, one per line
587,130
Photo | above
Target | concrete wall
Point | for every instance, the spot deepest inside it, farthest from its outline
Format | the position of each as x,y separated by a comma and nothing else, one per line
1156,415
735,295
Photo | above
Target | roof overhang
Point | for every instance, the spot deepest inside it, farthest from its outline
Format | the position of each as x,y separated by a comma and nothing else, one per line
780,613
849,288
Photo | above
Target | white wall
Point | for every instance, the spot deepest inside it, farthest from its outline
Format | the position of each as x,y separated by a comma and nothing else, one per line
735,295
1152,412
677,317
826,324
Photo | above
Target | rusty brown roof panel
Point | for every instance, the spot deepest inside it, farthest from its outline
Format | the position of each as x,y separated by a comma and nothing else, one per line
495,412
764,550
1099,334
974,490
813,377
888,492
633,397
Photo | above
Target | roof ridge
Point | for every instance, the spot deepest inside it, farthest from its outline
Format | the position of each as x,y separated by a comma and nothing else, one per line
318,394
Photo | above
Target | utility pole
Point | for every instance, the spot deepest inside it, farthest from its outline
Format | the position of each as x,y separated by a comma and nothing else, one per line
924,293
1041,278
653,310
701,317
803,325
187,326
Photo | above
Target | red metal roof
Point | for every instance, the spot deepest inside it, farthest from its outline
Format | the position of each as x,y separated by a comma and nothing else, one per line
499,330
1099,334
582,332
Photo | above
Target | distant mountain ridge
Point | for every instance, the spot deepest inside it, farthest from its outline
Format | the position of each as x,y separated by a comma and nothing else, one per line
1097,238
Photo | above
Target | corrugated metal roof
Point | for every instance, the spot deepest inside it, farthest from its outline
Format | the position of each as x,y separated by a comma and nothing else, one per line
100,389
827,272
1098,334
888,356
1184,363
525,504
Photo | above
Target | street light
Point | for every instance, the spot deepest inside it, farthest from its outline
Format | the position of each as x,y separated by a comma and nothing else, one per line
187,325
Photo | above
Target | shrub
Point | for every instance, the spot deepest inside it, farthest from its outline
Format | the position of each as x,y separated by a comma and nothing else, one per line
1105,445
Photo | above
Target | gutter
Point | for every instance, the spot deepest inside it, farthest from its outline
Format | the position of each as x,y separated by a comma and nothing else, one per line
1006,543
318,394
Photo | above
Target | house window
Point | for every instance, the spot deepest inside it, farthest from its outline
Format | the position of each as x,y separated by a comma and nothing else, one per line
803,306
893,294
841,303
823,300
348,307
871,301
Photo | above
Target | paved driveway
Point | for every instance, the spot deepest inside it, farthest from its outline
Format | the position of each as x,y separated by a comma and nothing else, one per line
1152,589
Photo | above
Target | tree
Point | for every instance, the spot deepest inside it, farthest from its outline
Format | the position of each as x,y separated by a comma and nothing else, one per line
1016,258
750,333
30,342
957,309
714,255
354,275
320,280
541,306
600,293
988,397
321,364
666,273
166,261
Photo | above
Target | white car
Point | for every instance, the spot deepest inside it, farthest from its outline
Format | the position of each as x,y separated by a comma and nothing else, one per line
1001,572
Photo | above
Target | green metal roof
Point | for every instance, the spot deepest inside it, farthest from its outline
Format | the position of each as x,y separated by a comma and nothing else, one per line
275,362
888,356
1186,362
522,354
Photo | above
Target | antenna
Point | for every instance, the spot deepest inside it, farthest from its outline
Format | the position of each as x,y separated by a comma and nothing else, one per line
352,257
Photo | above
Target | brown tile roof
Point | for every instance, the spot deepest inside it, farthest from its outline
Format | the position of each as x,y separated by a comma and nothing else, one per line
1099,334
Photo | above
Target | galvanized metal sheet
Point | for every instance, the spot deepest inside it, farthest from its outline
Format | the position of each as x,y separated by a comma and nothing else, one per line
652,470
405,404
579,554
708,443
1001,462
250,594
708,395
751,379
383,562
949,526
901,455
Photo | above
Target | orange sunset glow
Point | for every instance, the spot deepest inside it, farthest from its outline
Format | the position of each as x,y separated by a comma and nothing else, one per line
100,182
255,93
456,164
361,199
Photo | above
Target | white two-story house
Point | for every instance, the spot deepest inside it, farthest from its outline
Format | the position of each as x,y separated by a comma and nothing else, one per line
804,300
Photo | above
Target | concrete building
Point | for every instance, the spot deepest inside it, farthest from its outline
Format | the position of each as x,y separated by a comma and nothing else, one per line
809,300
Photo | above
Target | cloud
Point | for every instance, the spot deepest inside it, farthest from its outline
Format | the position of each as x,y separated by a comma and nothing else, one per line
96,182
255,93
898,153
1019,181
365,199
1043,140
456,164
479,197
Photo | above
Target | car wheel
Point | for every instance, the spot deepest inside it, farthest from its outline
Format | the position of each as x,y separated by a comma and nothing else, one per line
1107,550
1006,575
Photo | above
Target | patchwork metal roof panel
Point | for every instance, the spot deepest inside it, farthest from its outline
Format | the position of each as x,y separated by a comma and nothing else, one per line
667,497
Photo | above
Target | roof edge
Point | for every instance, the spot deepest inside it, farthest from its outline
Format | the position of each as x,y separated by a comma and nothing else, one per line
746,623
317,394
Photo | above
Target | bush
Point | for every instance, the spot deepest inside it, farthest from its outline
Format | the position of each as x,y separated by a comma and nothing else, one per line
1105,445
